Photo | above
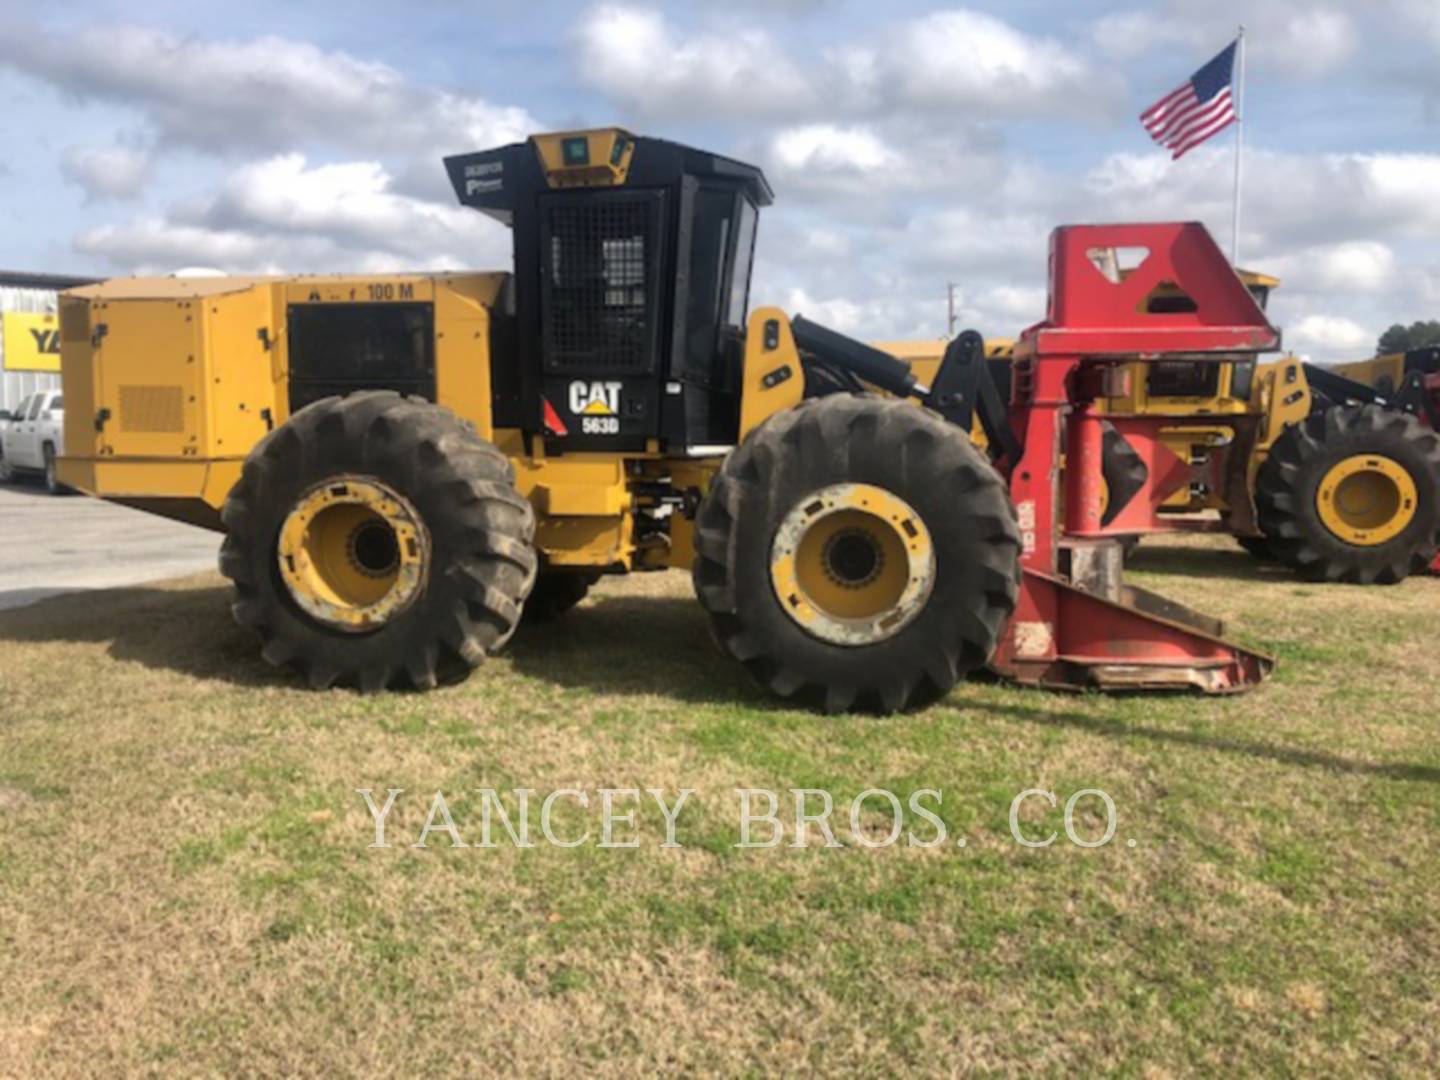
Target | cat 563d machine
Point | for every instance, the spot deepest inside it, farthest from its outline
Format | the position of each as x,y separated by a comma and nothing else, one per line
404,464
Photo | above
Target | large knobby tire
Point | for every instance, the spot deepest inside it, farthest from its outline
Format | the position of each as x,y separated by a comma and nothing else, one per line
555,593
1352,494
810,488
415,551
1256,546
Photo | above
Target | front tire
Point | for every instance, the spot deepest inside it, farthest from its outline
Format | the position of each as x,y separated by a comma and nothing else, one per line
376,541
857,552
1352,494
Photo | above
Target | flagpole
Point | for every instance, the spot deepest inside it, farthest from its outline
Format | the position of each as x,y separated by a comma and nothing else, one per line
1239,141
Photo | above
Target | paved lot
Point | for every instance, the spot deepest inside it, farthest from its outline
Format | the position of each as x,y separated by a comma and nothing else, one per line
51,545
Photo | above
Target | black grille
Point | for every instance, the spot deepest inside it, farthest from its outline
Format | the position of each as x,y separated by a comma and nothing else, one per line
1178,378
341,348
599,285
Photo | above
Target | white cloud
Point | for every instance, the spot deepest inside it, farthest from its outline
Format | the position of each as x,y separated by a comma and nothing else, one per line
1129,34
265,93
949,60
955,59
1329,334
1305,40
107,172
1314,43
1363,266
157,245
280,215
639,59
828,148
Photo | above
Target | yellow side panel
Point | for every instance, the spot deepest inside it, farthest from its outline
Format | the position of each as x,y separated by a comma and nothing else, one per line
462,346
240,392
179,478
79,377
584,485
772,378
1370,372
582,502
150,366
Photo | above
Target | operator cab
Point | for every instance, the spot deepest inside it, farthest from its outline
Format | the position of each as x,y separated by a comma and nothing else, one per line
632,277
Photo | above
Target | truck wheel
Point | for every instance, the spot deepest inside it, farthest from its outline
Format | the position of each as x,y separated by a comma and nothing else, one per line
52,475
555,593
1352,494
857,552
7,471
377,541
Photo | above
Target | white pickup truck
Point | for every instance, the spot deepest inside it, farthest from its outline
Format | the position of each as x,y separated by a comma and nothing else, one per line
33,438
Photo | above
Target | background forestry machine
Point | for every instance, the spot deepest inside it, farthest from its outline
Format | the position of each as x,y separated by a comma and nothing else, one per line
403,464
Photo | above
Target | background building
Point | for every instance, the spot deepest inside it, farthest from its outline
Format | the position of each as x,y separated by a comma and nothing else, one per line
30,333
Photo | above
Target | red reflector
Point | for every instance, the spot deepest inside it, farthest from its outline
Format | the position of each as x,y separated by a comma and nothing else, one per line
553,424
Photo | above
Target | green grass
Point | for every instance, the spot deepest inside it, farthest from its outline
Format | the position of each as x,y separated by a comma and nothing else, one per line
185,874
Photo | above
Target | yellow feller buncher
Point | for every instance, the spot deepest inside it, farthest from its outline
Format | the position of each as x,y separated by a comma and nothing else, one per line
404,464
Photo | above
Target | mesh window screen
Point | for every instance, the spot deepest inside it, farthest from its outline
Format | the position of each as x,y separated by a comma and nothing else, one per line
598,285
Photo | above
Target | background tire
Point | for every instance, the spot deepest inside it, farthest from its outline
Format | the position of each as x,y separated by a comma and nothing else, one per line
555,593
1289,485
52,477
481,560
909,452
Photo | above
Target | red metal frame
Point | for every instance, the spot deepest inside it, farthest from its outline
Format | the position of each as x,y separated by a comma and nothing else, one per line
1062,635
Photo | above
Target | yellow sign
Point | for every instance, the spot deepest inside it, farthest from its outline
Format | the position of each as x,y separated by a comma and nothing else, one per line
32,341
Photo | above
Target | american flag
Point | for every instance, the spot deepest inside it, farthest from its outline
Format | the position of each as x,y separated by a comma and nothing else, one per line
1201,107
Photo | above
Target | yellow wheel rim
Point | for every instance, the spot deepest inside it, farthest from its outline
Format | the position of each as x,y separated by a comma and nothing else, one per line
353,553
1367,500
852,564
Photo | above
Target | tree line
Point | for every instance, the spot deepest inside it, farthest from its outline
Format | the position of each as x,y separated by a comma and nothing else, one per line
1404,338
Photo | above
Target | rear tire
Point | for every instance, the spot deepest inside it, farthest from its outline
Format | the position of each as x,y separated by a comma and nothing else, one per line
797,467
1388,531
472,560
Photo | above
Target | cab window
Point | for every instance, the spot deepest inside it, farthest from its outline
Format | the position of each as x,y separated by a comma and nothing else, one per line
35,407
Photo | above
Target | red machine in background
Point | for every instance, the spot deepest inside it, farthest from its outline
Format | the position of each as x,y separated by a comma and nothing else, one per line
1077,623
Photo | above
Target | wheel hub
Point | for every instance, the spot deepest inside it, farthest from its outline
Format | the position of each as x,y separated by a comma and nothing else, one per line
1367,500
353,553
852,564
853,558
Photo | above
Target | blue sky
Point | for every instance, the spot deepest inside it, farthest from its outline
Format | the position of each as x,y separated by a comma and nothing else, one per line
909,144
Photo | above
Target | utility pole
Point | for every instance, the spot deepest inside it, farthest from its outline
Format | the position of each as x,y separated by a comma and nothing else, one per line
950,288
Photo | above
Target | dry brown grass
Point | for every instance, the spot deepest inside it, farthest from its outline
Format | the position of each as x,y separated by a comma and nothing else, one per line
185,882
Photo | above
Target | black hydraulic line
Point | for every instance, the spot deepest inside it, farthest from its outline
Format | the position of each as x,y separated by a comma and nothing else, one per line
1341,388
878,368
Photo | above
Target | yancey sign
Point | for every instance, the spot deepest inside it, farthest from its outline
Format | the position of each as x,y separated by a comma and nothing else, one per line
32,341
